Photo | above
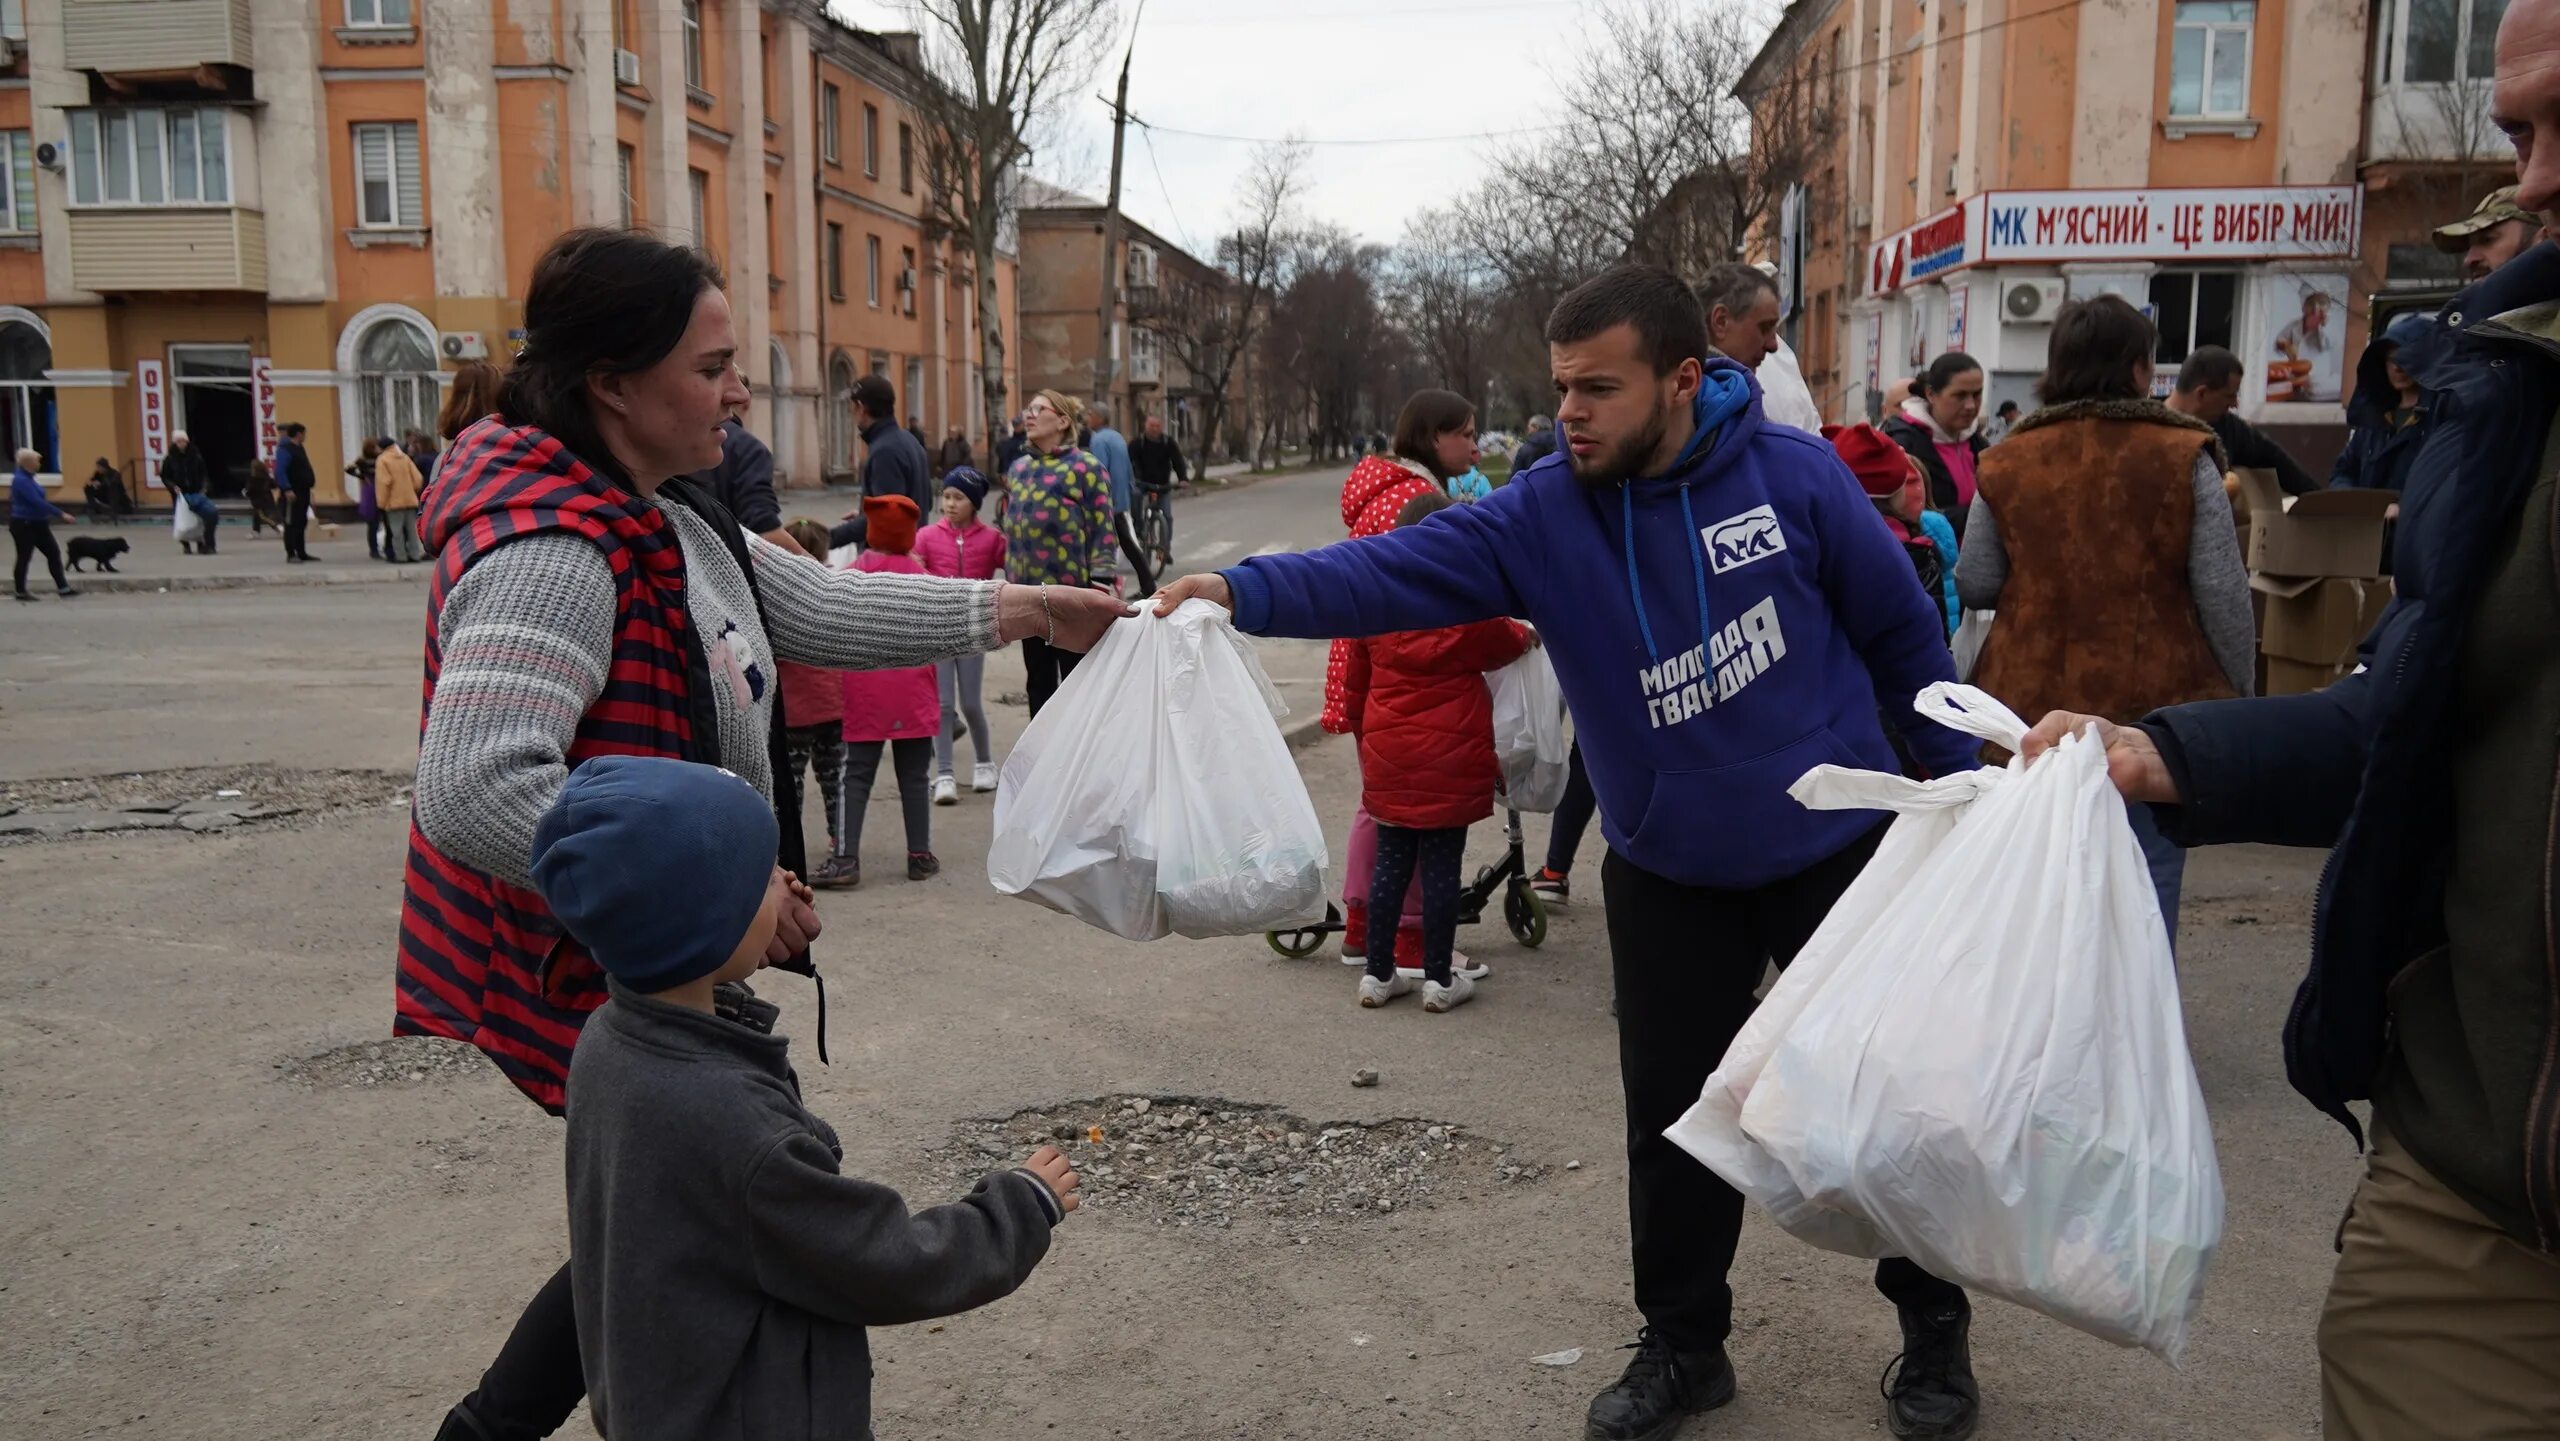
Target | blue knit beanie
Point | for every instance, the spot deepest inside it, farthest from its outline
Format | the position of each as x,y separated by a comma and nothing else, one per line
656,866
967,481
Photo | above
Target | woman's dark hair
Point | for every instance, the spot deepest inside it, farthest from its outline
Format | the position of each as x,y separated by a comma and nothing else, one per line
601,302
2097,345
473,394
1943,372
1429,415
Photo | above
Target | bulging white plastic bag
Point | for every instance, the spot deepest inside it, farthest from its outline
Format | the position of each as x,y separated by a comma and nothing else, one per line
186,525
1154,794
1528,732
1978,1061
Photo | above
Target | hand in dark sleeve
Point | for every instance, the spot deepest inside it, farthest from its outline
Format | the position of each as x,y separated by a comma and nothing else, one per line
747,483
2280,771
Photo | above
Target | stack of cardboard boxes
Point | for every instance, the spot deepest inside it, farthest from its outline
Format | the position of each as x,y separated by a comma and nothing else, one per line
2315,565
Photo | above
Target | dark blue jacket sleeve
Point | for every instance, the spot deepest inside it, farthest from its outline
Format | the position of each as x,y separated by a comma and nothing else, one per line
1896,626
2282,770
746,483
1466,563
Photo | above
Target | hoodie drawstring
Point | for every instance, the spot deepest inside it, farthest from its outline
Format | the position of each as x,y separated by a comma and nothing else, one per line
1635,590
1733,396
1697,564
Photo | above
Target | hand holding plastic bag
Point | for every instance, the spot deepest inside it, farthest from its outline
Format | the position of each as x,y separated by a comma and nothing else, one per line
1154,793
187,526
1528,732
1979,1061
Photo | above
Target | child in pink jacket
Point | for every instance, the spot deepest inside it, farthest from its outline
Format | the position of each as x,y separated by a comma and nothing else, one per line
893,710
963,547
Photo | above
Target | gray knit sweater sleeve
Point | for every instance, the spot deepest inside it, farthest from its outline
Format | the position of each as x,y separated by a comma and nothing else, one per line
858,620
2220,580
1982,562
527,635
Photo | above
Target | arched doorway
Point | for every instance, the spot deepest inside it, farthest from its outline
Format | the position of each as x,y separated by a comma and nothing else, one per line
396,378
839,417
26,399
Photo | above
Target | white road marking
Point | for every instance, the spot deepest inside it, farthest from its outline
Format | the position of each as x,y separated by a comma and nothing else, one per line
1216,550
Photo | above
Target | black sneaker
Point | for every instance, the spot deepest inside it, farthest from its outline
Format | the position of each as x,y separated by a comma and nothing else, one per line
1661,1389
923,865
1929,1392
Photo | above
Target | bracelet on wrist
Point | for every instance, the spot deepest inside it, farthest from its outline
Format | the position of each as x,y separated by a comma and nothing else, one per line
1048,615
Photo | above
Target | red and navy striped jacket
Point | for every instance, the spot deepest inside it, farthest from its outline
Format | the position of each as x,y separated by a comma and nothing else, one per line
482,960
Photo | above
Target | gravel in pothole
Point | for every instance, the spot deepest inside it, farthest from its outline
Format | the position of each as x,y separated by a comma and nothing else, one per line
1202,1162
394,1061
196,799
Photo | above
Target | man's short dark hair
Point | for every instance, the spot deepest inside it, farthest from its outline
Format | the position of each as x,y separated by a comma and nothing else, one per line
2209,367
293,428
874,394
1669,326
1735,286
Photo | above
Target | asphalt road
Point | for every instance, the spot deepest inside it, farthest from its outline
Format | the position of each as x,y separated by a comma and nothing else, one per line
205,1232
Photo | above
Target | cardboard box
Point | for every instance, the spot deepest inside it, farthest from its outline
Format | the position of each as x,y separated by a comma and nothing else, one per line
2325,533
2314,619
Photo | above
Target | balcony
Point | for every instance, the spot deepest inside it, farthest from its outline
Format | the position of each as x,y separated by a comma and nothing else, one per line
168,248
133,37
1146,370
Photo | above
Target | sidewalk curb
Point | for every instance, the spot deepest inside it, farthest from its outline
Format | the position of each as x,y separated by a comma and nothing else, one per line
375,574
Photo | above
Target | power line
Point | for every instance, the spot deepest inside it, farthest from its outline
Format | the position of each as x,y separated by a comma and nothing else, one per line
1369,140
1167,192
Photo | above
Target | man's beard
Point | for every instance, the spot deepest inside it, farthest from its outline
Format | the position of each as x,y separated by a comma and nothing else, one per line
1623,463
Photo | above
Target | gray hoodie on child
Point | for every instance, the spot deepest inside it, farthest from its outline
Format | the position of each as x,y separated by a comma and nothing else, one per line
724,1269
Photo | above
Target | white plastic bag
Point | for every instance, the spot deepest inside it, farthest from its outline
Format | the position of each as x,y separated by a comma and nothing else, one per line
1154,793
189,526
1979,1061
1528,732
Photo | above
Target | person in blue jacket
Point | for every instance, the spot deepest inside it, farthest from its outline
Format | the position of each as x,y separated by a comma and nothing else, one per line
1725,614
2387,416
31,517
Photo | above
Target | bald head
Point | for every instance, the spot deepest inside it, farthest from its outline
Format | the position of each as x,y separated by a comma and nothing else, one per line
2525,101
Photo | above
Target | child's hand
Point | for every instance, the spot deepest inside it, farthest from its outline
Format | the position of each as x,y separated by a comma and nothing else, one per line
1057,1173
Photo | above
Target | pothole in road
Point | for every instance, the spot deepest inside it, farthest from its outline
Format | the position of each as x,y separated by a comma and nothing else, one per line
1203,1162
394,1061
197,799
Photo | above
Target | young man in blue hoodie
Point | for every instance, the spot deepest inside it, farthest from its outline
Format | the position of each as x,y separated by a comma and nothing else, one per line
1725,614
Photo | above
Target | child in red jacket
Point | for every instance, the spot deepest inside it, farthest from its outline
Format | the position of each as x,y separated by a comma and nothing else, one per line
896,711
1427,772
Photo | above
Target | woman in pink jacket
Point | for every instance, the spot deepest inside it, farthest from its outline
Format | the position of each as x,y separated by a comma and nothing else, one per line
892,710
962,547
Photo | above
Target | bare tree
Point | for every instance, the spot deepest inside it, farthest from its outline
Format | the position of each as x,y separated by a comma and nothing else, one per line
1212,330
1440,294
1000,70
1329,349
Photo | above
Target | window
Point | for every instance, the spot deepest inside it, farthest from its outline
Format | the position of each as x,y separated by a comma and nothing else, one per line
906,158
871,260
840,413
915,387
835,261
26,401
378,14
387,187
2209,59
907,277
693,44
699,184
871,141
13,20
396,386
150,157
627,163
2194,308
17,181
2432,42
830,125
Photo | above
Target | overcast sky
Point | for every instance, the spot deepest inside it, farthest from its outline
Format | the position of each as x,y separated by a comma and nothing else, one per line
1330,70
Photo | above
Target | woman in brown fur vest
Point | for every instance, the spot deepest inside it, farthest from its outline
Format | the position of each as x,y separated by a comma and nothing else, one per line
2102,537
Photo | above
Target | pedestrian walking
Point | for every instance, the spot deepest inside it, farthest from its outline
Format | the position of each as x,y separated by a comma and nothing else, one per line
893,461
2427,775
261,489
2103,536
813,698
362,471
31,517
960,546
1936,424
567,541
295,480
2387,416
182,470
1724,614
397,489
1111,448
886,711
955,451
1057,527
1427,772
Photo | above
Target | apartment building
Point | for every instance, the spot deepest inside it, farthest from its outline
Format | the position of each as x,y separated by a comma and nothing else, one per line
222,215
1161,308
1997,157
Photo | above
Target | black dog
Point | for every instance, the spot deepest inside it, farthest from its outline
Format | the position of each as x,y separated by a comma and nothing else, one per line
101,548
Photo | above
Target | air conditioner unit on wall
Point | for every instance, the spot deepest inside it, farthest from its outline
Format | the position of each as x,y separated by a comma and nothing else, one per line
463,345
2030,302
907,280
626,68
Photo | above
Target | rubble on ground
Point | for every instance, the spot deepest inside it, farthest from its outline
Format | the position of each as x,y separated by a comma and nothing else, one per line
195,800
392,1061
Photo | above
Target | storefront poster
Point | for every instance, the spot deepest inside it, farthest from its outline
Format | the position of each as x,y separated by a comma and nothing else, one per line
2307,320
2284,222
1875,354
262,404
152,381
1958,298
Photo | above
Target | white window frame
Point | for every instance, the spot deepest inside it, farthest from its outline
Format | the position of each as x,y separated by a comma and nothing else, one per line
13,20
2193,279
692,21
830,124
626,163
871,255
390,132
368,15
2217,33
2394,66
17,182
26,394
94,125
697,184
871,140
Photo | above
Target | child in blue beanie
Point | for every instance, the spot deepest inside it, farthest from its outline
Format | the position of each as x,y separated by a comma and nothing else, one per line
725,1267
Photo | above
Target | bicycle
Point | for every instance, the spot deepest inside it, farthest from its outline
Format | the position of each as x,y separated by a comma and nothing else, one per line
1524,911
1155,523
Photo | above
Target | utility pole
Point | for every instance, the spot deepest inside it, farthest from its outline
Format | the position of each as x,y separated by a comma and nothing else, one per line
1106,345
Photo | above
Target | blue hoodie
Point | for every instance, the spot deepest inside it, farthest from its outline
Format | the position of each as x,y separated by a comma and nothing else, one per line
1719,630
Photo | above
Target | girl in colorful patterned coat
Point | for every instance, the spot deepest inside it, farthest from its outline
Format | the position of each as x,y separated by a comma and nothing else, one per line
1057,526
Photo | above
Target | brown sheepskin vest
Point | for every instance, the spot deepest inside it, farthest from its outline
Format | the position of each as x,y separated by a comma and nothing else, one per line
2095,501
